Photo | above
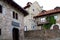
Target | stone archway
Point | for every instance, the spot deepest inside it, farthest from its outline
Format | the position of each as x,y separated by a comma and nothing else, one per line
15,33
55,27
55,24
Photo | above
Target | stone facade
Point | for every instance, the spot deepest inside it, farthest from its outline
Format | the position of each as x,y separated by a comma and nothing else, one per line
33,10
6,18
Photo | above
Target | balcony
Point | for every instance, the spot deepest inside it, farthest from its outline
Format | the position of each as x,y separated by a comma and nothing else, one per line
39,23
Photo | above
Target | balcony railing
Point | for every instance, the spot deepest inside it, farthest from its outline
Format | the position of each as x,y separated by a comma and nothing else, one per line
42,22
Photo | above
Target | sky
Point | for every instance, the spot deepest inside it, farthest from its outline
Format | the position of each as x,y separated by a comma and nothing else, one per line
47,4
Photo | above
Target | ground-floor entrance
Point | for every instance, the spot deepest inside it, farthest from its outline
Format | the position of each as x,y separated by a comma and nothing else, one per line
15,33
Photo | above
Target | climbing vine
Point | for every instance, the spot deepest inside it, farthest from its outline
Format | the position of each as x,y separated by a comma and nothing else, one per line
51,21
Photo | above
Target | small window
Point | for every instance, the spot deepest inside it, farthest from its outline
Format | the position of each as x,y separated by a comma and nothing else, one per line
33,27
43,19
15,15
55,17
25,29
0,31
0,9
33,9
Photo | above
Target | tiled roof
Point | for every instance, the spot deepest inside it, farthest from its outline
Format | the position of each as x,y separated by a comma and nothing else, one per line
48,12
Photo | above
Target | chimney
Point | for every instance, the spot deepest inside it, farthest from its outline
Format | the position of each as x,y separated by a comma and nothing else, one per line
29,3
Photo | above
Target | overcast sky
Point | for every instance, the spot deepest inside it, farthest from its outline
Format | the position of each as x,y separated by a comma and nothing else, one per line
47,4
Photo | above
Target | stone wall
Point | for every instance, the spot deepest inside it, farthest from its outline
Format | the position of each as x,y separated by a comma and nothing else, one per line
6,18
42,35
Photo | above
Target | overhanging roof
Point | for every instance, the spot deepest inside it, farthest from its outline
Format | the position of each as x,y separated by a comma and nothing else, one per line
15,5
54,11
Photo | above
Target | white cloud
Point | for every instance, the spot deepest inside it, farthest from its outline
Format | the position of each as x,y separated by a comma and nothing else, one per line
47,4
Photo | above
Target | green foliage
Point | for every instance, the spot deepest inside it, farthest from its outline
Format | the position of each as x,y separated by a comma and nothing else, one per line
47,26
51,21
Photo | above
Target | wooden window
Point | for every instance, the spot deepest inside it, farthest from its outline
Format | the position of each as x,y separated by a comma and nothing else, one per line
0,9
0,31
15,15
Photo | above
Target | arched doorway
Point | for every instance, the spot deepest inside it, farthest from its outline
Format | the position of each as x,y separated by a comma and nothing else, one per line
15,33
55,27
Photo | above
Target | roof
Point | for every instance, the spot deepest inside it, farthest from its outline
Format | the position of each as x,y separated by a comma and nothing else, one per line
44,13
28,5
15,5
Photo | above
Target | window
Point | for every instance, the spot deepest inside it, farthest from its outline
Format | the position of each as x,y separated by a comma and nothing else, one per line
15,15
0,9
55,17
25,29
33,27
33,9
43,20
0,31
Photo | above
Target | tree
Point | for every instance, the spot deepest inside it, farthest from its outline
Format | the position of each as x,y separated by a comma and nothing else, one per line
51,21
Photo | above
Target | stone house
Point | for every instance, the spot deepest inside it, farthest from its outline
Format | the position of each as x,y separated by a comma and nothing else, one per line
11,20
33,9
41,18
